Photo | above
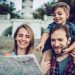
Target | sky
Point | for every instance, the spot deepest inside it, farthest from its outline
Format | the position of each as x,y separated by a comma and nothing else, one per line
36,3
18,4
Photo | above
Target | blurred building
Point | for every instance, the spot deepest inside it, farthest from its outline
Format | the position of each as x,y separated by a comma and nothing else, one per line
27,11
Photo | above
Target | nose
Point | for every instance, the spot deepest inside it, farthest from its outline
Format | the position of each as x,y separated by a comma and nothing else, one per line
56,15
23,38
56,43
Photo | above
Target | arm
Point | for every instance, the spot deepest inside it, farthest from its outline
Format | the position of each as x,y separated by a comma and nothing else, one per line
44,38
70,48
42,41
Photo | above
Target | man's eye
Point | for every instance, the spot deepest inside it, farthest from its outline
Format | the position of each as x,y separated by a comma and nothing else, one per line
52,40
60,39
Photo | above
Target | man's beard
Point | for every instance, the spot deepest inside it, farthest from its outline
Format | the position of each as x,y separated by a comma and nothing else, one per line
60,54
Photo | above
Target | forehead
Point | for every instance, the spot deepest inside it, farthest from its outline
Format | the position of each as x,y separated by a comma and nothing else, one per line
58,34
23,31
59,9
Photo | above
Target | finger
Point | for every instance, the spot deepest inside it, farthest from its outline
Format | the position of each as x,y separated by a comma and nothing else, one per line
65,53
48,62
43,57
73,55
38,48
42,47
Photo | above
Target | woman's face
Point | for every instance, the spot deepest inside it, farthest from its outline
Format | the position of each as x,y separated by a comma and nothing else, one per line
22,39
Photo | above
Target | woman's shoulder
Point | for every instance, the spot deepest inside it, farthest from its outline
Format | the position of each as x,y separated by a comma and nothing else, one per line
10,53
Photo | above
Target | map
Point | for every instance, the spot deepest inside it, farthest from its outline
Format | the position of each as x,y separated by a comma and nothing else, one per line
19,65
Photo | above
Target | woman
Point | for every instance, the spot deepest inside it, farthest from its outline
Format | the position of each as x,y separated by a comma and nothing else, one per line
23,41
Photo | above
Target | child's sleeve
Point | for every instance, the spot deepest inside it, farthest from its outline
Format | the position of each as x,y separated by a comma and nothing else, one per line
73,33
47,30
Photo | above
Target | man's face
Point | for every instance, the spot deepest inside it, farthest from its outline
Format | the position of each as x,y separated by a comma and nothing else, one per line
59,41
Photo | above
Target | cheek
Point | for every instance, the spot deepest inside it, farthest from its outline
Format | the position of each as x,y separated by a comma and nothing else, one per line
17,38
52,44
28,40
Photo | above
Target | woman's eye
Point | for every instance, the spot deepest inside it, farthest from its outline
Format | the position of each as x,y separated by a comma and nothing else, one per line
20,35
27,36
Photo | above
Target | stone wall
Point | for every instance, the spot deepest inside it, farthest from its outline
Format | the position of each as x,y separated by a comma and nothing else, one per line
33,23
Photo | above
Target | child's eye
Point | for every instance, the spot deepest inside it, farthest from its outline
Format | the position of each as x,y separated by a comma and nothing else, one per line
59,13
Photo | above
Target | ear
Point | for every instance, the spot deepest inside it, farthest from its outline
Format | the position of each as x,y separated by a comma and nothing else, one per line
69,40
67,13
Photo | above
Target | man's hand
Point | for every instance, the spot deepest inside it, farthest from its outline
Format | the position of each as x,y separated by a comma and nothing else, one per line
45,66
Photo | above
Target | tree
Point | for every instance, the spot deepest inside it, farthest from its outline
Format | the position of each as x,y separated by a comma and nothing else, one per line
8,9
44,10
39,14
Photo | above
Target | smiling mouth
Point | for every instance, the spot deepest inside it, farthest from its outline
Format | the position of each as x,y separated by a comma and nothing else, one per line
23,43
57,48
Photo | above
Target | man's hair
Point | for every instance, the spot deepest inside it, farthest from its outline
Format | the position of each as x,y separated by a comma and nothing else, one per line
63,27
63,5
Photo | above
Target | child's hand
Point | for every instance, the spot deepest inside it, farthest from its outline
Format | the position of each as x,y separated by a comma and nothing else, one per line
66,50
40,47
73,54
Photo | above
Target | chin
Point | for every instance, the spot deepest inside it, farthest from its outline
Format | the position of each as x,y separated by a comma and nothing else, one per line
23,47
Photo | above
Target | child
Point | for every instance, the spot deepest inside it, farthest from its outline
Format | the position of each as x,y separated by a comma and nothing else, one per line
60,16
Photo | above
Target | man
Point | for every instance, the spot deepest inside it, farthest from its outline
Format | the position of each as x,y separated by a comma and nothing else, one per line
60,63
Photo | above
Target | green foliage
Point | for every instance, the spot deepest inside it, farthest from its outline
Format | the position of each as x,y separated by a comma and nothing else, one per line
6,8
44,10
39,14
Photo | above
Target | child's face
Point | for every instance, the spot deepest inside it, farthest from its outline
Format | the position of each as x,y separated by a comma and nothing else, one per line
60,16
